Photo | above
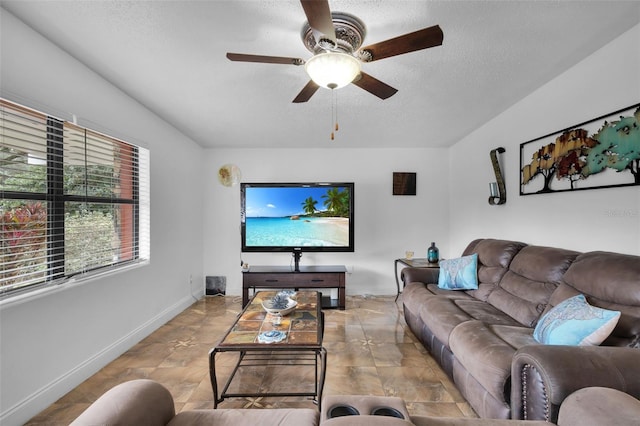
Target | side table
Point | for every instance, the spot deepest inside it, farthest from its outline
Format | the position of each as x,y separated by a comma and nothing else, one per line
415,262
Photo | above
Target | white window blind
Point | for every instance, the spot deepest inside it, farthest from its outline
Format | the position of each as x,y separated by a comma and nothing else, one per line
72,201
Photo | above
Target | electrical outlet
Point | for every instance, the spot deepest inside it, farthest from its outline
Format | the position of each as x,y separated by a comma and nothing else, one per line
350,269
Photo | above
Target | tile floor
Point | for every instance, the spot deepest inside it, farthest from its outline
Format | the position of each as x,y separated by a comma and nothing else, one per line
370,351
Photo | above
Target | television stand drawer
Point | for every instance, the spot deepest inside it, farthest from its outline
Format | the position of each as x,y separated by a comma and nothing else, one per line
278,278
268,280
291,280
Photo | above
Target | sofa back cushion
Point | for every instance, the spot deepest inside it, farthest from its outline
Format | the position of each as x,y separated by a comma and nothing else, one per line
526,287
494,258
609,281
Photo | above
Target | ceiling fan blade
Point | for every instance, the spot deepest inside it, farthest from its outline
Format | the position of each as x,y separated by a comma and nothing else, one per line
241,57
306,93
319,18
421,39
374,86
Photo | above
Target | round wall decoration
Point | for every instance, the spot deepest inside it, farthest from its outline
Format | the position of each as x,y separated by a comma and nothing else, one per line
229,175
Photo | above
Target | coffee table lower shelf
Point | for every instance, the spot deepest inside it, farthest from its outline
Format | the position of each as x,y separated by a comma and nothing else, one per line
312,357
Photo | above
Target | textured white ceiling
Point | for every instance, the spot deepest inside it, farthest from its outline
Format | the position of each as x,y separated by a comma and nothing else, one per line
170,56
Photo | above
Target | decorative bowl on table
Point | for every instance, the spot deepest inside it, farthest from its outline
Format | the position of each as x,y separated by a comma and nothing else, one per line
279,305
291,294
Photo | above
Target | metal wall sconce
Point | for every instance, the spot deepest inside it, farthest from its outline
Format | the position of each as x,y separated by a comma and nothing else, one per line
497,190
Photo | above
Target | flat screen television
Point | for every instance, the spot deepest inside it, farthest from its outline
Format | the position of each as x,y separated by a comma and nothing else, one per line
297,217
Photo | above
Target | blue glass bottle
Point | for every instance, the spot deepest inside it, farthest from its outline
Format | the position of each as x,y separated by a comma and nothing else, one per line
433,254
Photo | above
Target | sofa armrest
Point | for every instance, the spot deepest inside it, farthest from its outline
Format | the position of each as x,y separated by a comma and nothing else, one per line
542,376
137,402
423,275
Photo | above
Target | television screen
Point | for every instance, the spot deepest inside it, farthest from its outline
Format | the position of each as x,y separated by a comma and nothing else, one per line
297,216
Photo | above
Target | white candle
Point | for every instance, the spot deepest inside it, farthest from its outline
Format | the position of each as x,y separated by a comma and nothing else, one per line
493,189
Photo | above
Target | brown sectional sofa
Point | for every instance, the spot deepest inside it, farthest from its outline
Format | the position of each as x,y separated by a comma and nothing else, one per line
148,403
484,340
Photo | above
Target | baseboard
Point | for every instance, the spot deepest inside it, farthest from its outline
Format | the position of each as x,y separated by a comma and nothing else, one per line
30,406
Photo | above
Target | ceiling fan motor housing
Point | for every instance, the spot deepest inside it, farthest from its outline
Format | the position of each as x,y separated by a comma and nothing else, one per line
350,34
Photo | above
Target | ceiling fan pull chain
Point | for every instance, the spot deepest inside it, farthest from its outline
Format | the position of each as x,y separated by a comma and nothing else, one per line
334,113
335,100
333,106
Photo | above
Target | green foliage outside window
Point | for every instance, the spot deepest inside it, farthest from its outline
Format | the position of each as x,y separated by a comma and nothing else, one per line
90,231
23,243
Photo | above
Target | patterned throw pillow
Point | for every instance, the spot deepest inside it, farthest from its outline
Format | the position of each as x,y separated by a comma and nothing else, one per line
459,274
575,322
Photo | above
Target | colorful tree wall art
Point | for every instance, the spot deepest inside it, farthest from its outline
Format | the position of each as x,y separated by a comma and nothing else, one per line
601,153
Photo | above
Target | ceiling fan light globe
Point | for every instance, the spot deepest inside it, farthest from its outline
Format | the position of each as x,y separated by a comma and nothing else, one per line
332,69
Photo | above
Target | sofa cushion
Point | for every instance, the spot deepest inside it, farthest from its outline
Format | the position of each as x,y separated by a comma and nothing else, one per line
433,288
621,273
415,295
494,258
575,322
514,336
485,352
522,310
460,273
533,275
606,276
494,253
249,417
484,355
442,315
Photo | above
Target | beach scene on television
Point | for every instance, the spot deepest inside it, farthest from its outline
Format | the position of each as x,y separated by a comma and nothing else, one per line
297,216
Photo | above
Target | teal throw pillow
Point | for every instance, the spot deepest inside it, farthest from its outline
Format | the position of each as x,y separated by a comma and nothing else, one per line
575,322
459,274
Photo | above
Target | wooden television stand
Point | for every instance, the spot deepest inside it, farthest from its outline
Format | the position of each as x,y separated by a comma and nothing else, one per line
309,277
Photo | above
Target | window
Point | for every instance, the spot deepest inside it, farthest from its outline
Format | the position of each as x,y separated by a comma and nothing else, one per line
72,201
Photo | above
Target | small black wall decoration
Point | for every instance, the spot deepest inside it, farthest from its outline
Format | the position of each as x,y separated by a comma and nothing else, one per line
404,183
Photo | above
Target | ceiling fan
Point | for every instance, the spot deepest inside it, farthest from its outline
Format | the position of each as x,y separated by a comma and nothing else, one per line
335,39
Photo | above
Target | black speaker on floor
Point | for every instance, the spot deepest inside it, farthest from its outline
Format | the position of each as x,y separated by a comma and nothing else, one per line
216,286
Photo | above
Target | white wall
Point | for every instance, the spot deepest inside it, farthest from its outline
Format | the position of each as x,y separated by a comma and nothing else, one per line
597,219
52,343
386,225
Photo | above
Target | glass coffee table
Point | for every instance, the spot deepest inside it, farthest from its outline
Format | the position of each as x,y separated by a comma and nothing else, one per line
252,338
